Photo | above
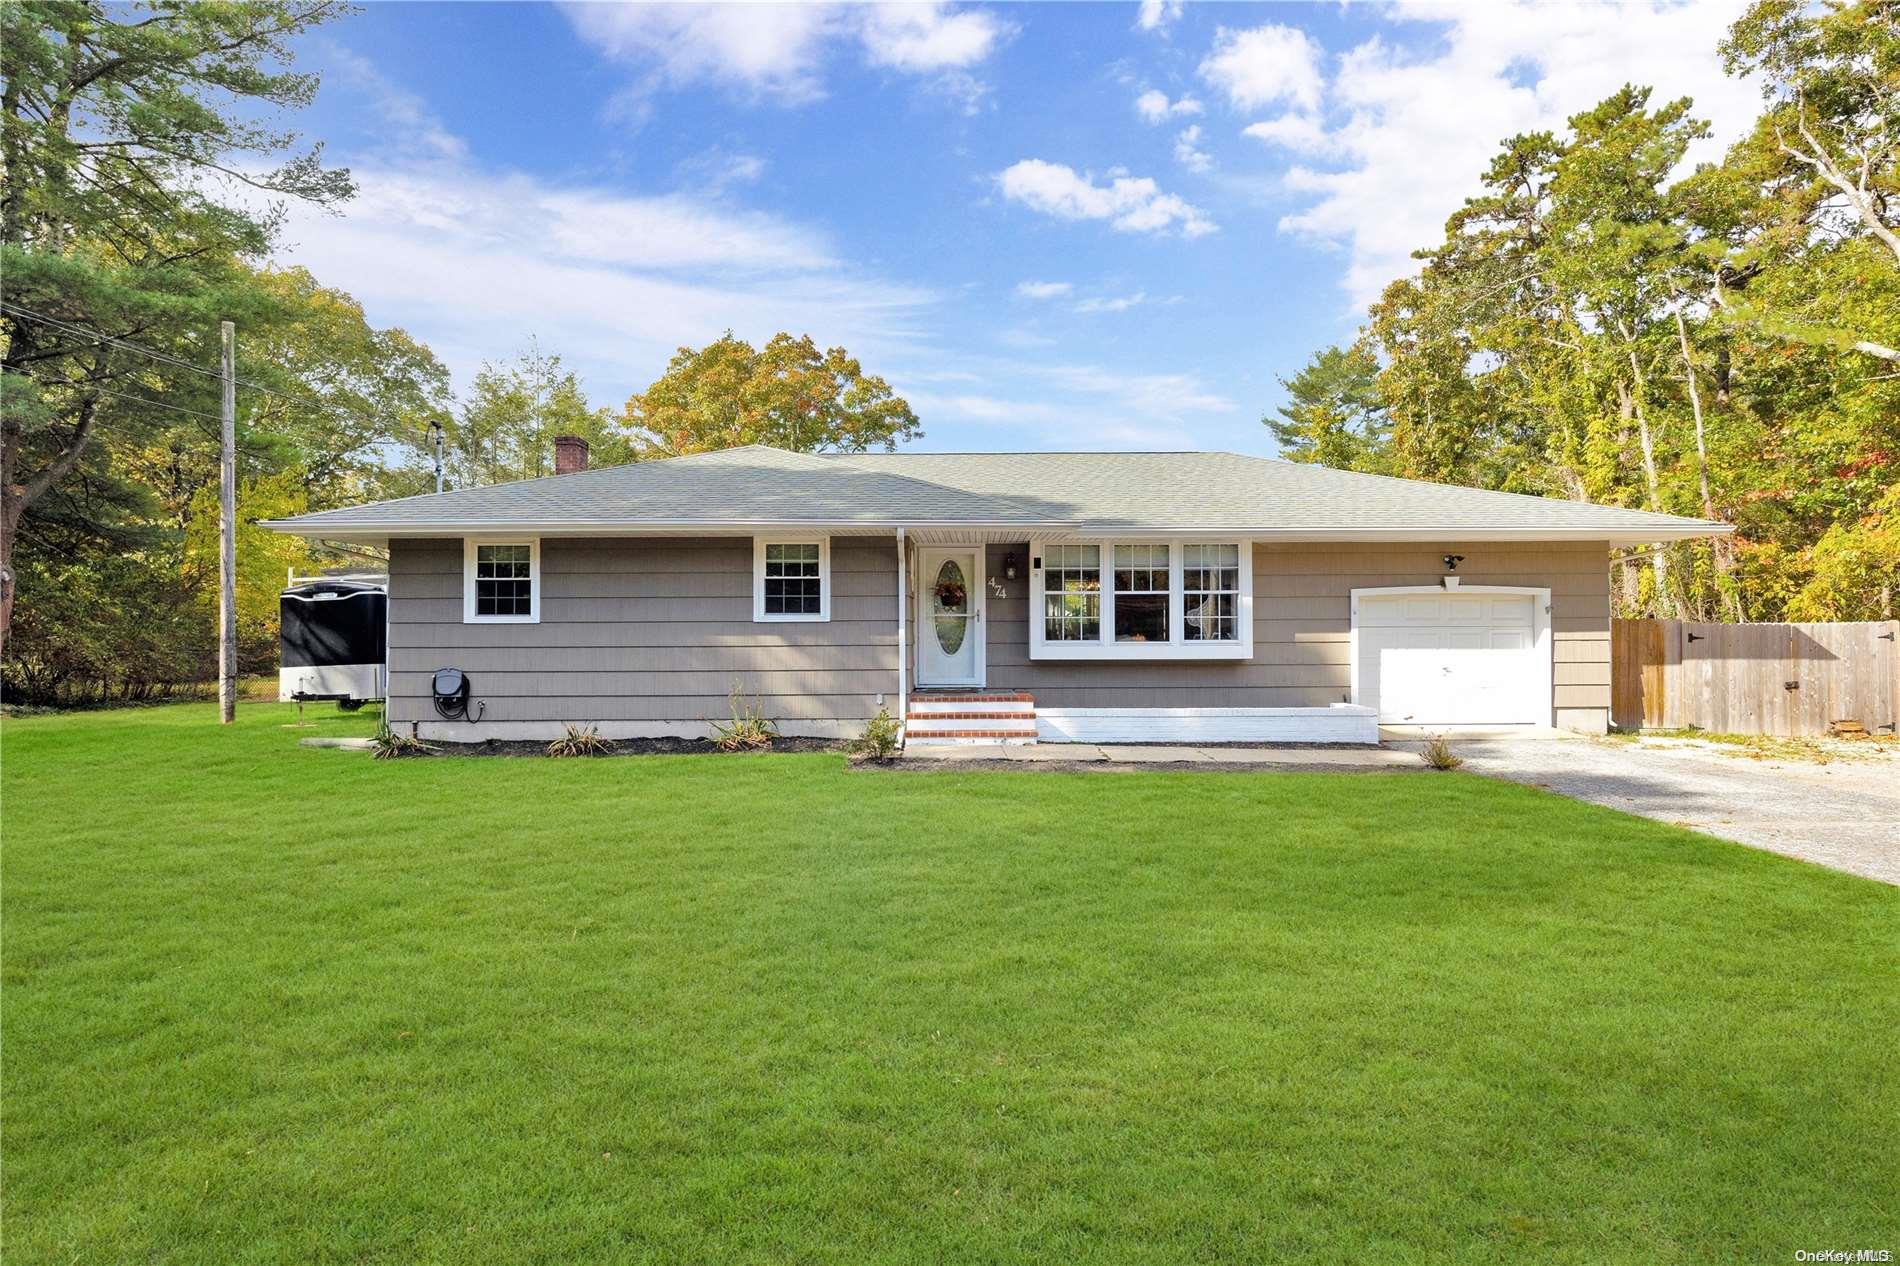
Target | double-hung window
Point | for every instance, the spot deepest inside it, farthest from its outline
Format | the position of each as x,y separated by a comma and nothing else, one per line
1141,593
1210,593
1141,600
501,582
1072,593
791,580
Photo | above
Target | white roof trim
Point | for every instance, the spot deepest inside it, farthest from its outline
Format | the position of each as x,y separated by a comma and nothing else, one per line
1041,529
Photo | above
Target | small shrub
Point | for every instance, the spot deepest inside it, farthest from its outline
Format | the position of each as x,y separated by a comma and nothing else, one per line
391,745
879,740
747,731
1438,754
581,740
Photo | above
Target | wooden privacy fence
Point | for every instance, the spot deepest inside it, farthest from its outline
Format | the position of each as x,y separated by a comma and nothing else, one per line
1754,678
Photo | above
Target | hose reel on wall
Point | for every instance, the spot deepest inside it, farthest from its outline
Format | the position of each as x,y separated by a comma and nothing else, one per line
451,689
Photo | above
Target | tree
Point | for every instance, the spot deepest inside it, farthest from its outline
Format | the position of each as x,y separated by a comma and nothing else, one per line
1336,416
1596,326
787,394
507,425
119,125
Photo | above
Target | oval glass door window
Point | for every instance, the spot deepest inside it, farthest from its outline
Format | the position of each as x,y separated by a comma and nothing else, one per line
951,598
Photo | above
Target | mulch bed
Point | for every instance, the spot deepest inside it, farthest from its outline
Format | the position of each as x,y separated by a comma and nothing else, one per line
633,747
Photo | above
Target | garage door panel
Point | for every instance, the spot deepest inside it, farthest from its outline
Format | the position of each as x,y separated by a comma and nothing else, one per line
1452,659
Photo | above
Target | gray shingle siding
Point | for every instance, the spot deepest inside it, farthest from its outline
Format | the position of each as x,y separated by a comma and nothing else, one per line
650,632
1303,630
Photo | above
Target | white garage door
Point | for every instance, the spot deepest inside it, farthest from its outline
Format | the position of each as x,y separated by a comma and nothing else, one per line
1452,659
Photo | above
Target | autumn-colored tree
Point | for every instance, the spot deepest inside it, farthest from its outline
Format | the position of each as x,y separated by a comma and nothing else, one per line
787,394
1594,326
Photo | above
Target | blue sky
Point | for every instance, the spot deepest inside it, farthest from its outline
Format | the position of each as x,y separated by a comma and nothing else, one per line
1050,226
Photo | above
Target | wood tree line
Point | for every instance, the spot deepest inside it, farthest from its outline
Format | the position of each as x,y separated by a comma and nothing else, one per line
1598,324
142,192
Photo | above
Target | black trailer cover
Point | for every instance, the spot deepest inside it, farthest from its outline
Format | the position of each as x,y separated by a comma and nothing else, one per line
329,622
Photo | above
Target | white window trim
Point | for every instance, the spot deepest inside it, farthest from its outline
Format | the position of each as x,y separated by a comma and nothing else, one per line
1177,647
534,580
759,614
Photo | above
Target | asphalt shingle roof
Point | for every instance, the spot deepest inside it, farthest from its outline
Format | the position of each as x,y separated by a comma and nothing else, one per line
1074,491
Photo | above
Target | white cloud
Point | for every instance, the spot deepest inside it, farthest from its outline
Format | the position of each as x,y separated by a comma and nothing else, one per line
1079,406
474,261
1153,395
1156,14
771,50
1154,107
1265,65
1301,133
414,126
777,51
1188,151
1120,303
926,37
1130,203
1043,289
1414,131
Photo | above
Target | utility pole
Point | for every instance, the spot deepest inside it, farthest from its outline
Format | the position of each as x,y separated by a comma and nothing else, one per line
435,437
227,530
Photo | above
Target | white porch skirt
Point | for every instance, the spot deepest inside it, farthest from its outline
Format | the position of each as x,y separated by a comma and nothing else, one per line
1338,723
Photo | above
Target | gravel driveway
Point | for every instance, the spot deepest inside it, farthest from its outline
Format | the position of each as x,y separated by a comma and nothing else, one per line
1844,814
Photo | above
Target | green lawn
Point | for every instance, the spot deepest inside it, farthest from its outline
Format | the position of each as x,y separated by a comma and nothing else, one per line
265,1003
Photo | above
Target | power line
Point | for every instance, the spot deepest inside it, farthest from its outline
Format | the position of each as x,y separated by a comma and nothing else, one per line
102,337
157,404
168,358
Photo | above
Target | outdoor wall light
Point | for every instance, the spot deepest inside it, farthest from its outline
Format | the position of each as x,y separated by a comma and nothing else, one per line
1010,564
1452,561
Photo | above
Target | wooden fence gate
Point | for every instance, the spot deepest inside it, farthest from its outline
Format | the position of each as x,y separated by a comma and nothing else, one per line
1754,678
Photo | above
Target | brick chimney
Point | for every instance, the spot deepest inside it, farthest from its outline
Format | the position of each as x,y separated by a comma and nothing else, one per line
570,454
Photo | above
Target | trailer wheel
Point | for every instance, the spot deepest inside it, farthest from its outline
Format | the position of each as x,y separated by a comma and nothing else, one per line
349,705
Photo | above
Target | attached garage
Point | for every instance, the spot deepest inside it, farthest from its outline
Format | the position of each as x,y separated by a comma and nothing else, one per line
1453,656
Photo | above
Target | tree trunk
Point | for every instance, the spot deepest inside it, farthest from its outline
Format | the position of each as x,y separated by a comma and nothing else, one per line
16,496
1721,549
10,508
1658,559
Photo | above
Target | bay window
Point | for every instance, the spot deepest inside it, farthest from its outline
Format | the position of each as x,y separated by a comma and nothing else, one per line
1141,600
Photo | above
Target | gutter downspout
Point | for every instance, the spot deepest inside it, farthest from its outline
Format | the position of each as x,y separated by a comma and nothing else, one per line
903,645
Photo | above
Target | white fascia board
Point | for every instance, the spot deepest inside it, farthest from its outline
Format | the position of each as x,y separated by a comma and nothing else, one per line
1056,532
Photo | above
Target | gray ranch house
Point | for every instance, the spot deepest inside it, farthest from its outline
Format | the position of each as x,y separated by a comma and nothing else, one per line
994,597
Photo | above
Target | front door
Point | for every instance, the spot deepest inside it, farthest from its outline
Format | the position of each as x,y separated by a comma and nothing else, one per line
950,617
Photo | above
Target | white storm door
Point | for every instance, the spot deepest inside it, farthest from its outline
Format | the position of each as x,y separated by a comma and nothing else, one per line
950,617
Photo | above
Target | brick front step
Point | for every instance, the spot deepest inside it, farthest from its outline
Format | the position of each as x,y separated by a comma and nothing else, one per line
970,736
971,716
